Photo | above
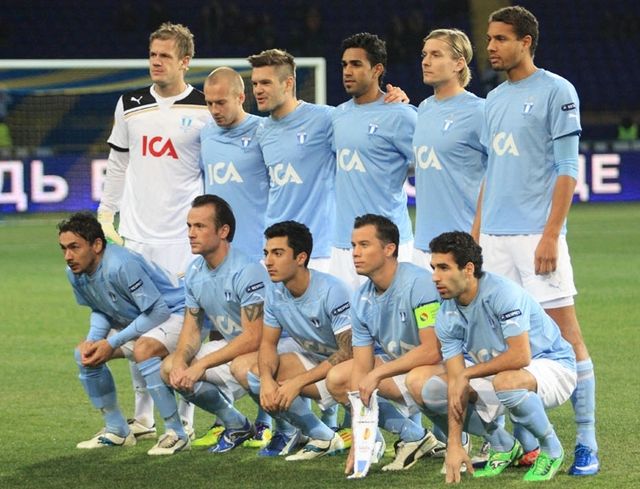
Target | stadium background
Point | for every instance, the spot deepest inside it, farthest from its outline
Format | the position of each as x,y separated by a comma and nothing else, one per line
43,410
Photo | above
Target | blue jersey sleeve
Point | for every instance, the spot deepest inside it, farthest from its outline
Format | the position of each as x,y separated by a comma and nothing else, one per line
99,326
451,339
270,318
564,110
250,284
513,312
339,308
405,127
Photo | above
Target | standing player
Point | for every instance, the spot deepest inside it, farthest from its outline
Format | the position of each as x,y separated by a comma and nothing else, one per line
231,158
153,172
501,351
532,132
449,159
296,142
296,145
228,287
131,301
396,309
313,308
373,148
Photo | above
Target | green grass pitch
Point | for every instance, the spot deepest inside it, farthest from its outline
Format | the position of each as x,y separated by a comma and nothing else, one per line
44,412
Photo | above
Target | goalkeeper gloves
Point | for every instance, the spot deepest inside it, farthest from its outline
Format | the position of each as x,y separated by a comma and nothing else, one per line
105,218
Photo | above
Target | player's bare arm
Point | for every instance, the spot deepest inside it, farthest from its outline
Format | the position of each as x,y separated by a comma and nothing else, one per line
268,363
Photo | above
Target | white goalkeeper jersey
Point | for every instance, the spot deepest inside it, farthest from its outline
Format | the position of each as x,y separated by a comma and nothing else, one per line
153,187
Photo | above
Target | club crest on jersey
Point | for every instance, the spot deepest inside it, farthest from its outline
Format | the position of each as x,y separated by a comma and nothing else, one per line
315,322
245,141
403,316
112,296
302,137
447,125
372,128
185,123
227,296
527,108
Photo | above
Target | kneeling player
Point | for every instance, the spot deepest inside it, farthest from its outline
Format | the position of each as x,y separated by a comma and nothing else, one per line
228,287
518,360
395,308
136,311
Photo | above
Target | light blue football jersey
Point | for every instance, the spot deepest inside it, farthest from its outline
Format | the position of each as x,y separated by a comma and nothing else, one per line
124,286
298,153
237,282
314,319
233,169
392,318
373,152
449,163
500,310
521,121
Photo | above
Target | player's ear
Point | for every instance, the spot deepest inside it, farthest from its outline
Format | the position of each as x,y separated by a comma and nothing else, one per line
224,231
185,62
301,258
97,246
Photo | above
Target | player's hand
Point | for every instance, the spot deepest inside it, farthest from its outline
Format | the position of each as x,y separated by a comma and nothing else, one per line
395,95
97,354
453,460
367,385
348,467
269,395
287,392
105,218
176,375
546,255
191,375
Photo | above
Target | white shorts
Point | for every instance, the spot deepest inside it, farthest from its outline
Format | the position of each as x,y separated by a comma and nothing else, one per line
513,257
166,333
220,375
173,257
422,259
409,406
326,401
341,264
555,382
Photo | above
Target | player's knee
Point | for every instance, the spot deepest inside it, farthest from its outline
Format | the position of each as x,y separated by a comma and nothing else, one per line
165,368
337,381
414,382
434,394
78,356
146,348
240,367
504,381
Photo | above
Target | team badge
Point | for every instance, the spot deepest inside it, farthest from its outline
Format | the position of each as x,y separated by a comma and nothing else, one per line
528,107
403,316
245,141
185,123
227,295
302,137
112,296
373,128
315,322
447,125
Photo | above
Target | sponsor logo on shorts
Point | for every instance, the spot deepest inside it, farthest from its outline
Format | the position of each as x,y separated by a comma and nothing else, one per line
340,309
567,107
254,287
135,286
511,314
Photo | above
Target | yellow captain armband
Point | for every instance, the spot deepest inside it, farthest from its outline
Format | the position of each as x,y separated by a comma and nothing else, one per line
426,314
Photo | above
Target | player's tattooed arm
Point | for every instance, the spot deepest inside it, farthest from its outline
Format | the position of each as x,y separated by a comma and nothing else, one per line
345,350
191,343
254,311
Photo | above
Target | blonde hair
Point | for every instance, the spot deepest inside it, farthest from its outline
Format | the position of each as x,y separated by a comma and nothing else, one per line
180,34
460,47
